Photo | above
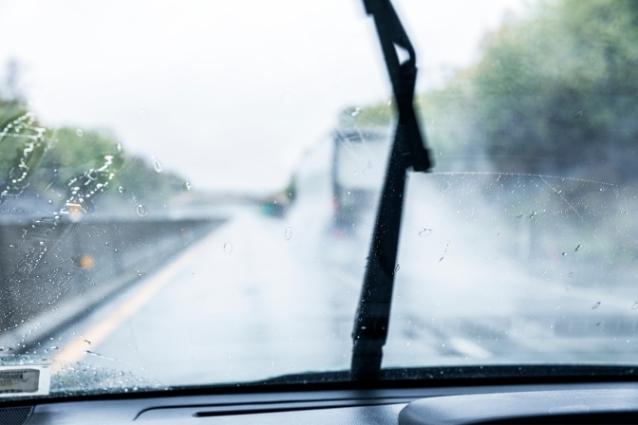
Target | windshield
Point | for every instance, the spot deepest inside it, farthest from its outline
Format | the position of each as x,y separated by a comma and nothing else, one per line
188,190
360,159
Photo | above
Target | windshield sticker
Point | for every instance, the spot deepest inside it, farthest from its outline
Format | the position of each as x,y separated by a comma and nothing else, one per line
24,380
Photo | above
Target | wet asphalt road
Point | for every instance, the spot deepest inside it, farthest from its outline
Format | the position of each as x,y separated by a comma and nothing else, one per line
264,296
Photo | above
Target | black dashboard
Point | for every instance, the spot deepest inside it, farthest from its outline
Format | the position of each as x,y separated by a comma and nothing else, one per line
613,403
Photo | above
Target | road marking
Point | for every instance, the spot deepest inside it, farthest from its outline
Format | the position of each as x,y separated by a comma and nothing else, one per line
469,348
76,349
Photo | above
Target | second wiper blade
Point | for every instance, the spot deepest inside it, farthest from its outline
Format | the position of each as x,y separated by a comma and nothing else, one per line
408,151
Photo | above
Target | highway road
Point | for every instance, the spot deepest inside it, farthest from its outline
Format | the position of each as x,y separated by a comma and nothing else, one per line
264,296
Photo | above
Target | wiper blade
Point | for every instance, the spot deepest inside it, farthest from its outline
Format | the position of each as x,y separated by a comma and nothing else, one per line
484,374
408,151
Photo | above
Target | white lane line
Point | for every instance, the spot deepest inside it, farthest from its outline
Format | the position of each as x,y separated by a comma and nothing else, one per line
469,348
77,348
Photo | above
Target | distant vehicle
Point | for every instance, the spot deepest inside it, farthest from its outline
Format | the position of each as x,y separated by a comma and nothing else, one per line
277,204
358,166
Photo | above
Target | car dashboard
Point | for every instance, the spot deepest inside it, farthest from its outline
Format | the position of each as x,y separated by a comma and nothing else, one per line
611,403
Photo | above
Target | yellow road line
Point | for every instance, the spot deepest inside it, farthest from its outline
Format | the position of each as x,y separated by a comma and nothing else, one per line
76,349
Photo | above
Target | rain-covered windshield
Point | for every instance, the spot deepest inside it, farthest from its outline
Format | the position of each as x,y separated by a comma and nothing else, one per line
360,159
188,188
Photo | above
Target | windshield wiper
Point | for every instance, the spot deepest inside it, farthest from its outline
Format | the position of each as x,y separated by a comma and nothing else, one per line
408,151
461,375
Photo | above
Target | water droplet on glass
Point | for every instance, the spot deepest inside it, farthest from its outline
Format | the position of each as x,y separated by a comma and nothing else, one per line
397,268
355,111
119,147
425,232
596,305
187,186
228,247
577,248
141,210
79,132
288,233
635,305
564,254
157,165
121,190
50,201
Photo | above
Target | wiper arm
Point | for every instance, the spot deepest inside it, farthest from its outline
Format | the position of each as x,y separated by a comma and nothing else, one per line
408,151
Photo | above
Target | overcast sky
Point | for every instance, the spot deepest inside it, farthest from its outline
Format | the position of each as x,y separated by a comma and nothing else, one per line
227,93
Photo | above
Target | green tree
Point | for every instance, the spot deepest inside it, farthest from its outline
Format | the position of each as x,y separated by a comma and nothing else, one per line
555,92
73,164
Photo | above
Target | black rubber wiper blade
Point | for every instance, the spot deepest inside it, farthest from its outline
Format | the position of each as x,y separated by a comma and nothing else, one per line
484,374
408,151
